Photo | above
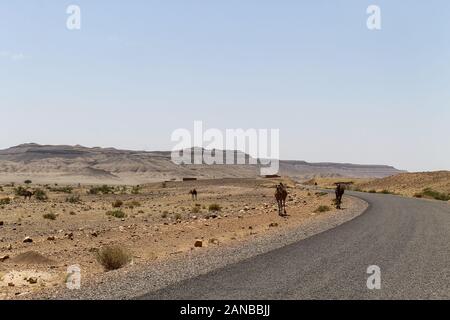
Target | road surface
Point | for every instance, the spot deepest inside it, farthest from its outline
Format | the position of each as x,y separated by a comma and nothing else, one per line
408,239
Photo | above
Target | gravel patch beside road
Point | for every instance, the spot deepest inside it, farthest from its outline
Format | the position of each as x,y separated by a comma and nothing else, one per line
134,281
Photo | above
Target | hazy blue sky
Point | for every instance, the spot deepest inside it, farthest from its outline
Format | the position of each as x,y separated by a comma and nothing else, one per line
137,70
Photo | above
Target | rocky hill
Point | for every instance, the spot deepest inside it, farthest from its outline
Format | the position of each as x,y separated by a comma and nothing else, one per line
78,164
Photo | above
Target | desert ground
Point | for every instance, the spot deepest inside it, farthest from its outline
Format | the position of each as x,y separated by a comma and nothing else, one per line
428,185
71,224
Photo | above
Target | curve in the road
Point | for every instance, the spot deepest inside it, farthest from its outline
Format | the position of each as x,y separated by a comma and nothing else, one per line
409,239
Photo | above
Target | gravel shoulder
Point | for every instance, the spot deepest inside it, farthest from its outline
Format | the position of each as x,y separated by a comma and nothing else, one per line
137,280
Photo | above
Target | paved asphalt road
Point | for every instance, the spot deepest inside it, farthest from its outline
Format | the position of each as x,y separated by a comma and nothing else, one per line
409,239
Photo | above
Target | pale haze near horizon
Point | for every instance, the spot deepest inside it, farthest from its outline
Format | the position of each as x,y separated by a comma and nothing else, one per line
136,72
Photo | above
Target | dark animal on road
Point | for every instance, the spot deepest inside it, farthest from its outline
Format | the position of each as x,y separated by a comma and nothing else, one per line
280,196
340,190
193,193
27,194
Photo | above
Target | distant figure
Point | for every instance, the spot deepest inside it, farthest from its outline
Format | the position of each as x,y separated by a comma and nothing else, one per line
340,189
193,193
280,196
27,194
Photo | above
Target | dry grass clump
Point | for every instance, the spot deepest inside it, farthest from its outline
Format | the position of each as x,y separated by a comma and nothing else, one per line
322,209
113,257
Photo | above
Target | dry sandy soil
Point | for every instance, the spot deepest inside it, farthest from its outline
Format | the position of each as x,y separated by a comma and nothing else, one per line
410,184
160,223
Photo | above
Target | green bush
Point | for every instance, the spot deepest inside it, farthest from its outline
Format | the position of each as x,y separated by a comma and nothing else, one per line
73,199
103,190
430,193
5,201
61,189
136,190
214,207
322,209
50,216
117,204
40,195
117,214
113,257
19,191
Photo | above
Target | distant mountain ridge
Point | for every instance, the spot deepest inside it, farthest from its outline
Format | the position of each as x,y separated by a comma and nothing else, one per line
78,164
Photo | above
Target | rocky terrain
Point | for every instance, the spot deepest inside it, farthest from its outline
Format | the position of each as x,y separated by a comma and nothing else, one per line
418,184
77,164
63,226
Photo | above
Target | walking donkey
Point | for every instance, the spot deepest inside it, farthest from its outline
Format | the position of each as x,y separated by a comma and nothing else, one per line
280,196
193,193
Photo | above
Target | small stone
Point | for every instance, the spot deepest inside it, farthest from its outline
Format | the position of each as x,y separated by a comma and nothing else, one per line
273,225
1,223
32,280
214,241
27,240
10,284
198,243
4,258
51,238
69,235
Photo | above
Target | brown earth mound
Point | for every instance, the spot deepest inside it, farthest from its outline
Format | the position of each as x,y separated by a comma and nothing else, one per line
31,258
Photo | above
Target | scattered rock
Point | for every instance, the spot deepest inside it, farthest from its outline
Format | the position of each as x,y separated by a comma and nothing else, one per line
214,241
27,240
4,258
32,280
273,225
198,243
69,235
1,223
51,238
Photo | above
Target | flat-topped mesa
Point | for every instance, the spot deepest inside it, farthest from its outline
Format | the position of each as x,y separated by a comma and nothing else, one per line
65,163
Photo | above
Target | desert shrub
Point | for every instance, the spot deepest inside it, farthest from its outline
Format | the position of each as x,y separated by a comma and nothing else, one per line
178,216
386,192
164,185
117,214
373,191
195,209
164,214
322,209
113,257
66,189
428,192
105,189
133,204
321,194
40,195
73,199
19,191
49,216
5,201
214,207
28,182
117,204
418,195
136,190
